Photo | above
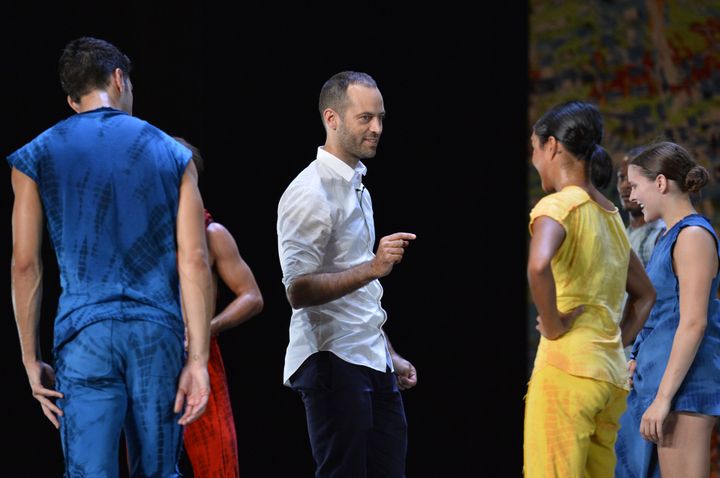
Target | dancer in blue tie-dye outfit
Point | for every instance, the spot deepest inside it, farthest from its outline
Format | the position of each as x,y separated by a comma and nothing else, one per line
125,218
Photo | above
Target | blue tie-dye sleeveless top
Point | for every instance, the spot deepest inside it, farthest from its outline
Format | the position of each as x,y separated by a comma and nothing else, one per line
109,184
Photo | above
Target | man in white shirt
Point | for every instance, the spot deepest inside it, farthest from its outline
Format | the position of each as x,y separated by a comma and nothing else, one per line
339,359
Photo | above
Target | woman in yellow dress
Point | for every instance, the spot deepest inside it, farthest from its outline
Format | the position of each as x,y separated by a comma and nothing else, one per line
580,265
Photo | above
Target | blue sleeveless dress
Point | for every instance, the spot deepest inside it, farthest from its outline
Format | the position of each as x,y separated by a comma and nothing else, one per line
700,391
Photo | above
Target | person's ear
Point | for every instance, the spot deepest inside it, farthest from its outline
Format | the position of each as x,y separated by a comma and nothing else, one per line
552,146
331,118
118,80
75,106
661,182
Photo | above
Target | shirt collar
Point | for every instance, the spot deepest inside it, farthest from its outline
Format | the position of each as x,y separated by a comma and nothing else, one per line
340,167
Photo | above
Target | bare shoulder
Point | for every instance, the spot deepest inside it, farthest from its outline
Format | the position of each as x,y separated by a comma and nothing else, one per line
218,234
216,229
695,251
220,240
696,236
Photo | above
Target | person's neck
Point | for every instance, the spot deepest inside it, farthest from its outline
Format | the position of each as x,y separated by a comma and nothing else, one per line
94,100
676,211
341,155
571,178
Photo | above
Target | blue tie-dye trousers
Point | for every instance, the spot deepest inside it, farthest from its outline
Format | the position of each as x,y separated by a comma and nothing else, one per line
120,376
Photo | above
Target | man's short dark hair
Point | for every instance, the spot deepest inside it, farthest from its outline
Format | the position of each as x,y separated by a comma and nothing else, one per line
86,64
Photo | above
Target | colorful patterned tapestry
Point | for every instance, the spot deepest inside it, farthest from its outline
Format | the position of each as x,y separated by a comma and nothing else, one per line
652,67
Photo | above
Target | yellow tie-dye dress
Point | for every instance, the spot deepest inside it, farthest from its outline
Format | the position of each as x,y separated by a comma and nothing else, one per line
579,382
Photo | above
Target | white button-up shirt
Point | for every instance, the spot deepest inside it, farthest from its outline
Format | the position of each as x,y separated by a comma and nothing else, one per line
325,224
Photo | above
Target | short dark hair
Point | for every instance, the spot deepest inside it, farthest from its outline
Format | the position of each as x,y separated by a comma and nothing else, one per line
86,63
334,92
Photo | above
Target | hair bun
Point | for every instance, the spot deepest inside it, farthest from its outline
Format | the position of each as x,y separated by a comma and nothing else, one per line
696,178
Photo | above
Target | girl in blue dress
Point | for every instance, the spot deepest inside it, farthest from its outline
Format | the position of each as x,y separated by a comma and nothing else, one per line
675,399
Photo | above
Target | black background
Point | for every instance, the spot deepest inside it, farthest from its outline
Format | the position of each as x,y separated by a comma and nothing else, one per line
241,83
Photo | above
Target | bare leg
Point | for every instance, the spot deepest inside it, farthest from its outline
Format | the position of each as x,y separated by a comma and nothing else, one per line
686,451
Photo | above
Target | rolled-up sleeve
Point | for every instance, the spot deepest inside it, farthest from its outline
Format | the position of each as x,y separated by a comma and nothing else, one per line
304,228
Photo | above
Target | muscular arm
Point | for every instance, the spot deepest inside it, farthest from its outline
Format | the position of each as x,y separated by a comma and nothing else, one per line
26,267
26,277
196,292
548,236
193,266
315,289
236,274
641,298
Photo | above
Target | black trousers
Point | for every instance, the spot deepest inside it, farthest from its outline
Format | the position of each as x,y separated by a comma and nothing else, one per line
355,417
